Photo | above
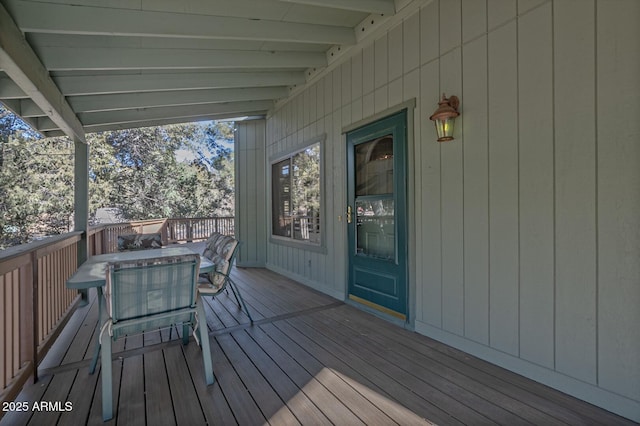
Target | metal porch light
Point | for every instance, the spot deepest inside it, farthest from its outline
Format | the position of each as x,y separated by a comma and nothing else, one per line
445,116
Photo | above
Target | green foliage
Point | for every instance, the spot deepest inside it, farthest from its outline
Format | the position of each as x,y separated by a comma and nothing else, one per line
35,182
306,181
170,171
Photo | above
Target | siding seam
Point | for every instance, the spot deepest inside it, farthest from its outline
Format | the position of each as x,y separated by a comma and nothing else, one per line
597,203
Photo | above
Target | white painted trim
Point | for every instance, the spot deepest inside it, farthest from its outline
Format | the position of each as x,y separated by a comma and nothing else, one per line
579,389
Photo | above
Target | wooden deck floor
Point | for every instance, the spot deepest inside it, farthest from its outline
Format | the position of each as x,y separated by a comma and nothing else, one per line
308,359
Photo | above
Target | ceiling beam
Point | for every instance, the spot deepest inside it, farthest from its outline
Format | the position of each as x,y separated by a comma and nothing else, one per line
172,98
87,20
21,64
161,113
149,82
25,108
204,45
151,123
383,7
64,58
10,90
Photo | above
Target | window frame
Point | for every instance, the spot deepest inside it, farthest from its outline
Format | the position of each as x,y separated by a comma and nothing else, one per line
289,154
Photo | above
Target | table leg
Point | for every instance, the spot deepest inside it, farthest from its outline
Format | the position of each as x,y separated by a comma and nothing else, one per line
96,352
84,298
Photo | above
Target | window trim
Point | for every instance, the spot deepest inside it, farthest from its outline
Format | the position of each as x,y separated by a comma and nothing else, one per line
283,155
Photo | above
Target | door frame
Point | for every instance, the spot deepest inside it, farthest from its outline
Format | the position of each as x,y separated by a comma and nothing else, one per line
409,106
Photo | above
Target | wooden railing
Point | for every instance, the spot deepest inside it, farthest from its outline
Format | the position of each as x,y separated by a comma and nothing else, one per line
199,228
104,238
35,305
34,301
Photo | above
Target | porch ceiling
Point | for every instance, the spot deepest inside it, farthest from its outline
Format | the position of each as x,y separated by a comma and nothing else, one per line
76,66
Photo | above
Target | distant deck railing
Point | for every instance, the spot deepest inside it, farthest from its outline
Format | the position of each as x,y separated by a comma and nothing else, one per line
194,229
34,301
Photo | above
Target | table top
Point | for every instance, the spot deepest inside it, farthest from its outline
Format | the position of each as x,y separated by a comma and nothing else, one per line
93,272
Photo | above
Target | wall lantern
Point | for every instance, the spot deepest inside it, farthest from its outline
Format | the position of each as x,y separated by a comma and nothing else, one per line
445,117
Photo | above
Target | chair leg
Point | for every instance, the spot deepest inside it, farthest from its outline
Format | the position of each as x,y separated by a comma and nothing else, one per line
94,359
239,299
185,333
203,333
107,385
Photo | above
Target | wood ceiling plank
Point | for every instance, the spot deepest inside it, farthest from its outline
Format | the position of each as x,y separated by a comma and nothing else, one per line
386,7
172,98
149,81
61,58
73,19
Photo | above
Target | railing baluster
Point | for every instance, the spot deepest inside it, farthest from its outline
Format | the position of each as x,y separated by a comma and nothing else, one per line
4,375
15,309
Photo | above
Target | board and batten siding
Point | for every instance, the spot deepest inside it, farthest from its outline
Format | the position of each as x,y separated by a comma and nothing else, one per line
527,226
251,202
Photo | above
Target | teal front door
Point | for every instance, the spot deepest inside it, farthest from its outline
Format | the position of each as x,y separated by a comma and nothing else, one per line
376,215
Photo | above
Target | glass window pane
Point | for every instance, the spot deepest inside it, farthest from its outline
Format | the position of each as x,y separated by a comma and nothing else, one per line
374,167
306,194
296,196
375,230
281,198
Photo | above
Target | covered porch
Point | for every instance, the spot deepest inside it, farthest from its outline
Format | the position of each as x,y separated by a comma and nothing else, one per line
522,239
307,359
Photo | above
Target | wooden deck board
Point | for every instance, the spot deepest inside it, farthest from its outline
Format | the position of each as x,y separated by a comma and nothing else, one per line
279,350
243,406
298,403
186,404
131,403
421,379
540,401
332,357
307,359
313,360
156,388
214,404
497,392
82,394
272,407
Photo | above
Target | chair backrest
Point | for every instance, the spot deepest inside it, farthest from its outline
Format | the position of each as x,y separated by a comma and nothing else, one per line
145,294
221,250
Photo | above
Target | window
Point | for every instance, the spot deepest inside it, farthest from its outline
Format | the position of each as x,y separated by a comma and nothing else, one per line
295,196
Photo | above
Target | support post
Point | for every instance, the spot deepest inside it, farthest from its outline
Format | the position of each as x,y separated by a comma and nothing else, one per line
81,203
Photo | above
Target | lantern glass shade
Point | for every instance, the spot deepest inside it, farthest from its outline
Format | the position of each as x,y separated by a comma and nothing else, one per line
445,116
444,128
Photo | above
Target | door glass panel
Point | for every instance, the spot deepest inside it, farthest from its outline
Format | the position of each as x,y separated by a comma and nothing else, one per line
375,230
375,220
374,167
